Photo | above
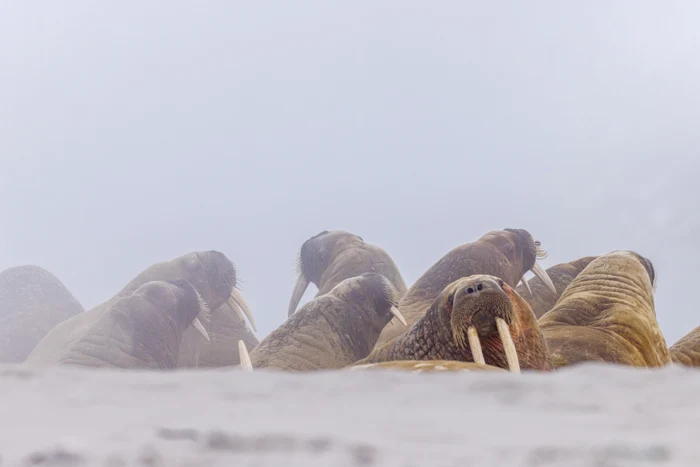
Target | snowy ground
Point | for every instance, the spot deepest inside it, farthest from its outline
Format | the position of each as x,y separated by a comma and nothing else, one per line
587,416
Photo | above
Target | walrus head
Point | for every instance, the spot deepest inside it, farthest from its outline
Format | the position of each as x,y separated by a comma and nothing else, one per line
648,265
488,323
523,247
314,257
214,277
374,290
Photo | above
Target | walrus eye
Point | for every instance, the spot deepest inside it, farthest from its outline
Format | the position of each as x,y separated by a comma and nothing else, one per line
450,300
500,283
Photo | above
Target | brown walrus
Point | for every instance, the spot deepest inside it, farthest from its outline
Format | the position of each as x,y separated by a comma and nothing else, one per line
32,301
333,330
540,297
330,257
607,314
507,254
140,331
421,366
687,350
210,273
478,319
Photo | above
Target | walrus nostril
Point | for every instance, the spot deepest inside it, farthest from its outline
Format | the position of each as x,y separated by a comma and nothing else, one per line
469,290
479,287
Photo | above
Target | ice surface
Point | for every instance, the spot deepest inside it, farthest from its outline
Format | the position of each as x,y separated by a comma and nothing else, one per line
592,415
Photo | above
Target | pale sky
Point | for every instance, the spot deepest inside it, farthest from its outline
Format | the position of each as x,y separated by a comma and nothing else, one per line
133,133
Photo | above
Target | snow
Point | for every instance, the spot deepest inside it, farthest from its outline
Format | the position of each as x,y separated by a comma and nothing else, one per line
590,415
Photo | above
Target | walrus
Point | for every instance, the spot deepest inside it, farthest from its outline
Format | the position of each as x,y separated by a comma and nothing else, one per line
210,273
539,296
330,257
607,315
139,331
507,254
478,319
421,366
32,301
333,330
687,350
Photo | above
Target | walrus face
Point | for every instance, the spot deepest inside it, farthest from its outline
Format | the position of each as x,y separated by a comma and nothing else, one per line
521,248
314,257
377,291
214,277
482,313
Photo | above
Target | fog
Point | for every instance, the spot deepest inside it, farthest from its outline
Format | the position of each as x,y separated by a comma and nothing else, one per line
134,133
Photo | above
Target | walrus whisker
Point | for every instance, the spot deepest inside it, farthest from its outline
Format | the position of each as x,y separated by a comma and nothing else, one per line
475,346
508,345
237,299
544,277
527,286
244,356
299,289
395,311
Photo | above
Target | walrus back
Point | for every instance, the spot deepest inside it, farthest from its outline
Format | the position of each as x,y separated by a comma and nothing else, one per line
687,350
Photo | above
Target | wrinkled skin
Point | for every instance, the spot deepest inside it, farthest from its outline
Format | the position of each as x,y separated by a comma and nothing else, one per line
421,366
505,254
542,299
331,331
687,350
139,331
330,257
441,334
209,272
32,302
607,315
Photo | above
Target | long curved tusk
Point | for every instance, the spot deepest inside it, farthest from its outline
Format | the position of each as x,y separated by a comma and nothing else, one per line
475,346
542,274
240,306
527,286
299,289
197,324
508,345
244,357
395,311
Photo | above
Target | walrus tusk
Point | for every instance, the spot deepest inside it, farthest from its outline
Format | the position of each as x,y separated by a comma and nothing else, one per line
395,311
299,289
542,274
475,346
508,345
244,357
197,324
527,286
240,306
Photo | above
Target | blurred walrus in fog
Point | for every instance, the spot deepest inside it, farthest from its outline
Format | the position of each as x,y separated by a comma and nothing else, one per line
32,302
332,330
507,254
332,256
687,350
478,319
607,315
211,274
539,296
142,330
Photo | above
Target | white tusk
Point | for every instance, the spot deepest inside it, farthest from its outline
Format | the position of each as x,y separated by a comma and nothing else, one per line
197,324
527,286
475,346
299,289
508,345
395,311
542,274
239,305
244,356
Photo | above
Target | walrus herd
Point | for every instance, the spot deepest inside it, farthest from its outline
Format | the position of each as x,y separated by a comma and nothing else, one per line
472,310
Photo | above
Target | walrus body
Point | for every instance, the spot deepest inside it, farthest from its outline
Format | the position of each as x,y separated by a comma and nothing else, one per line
211,274
607,315
330,257
507,254
687,350
139,331
475,303
331,331
422,366
542,299
32,302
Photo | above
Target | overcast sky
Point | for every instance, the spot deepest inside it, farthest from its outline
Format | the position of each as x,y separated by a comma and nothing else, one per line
134,132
